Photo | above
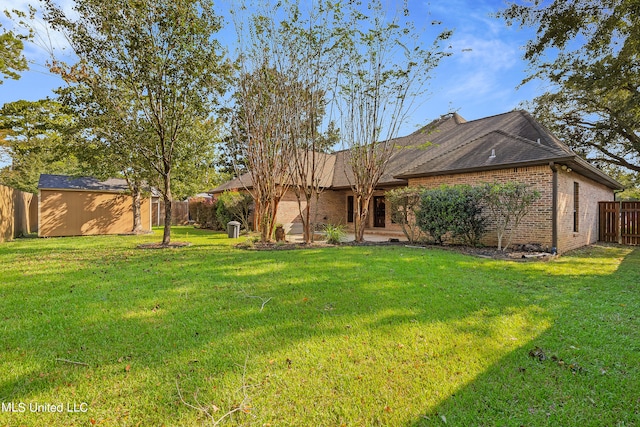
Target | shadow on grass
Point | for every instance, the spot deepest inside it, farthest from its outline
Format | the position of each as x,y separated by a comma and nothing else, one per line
140,319
583,370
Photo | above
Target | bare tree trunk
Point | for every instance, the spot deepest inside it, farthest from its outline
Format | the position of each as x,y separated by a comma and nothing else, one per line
306,219
361,216
166,236
137,201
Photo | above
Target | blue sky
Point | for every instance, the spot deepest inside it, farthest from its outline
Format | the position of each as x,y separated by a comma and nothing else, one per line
480,78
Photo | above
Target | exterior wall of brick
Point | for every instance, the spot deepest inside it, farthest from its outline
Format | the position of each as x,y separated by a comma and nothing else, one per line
288,212
331,208
535,228
589,194
536,225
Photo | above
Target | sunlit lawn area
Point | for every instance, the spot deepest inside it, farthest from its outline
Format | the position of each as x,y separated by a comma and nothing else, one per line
355,336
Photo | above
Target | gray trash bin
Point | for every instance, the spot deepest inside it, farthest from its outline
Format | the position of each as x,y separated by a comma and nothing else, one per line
233,229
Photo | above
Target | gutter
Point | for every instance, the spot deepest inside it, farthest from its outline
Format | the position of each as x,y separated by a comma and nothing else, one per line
554,208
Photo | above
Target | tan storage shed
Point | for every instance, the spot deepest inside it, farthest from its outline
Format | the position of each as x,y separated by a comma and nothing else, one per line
69,206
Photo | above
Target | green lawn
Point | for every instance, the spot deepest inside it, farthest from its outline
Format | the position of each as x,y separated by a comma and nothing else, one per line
355,336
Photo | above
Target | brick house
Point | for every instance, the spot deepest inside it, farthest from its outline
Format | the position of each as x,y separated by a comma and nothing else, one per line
506,147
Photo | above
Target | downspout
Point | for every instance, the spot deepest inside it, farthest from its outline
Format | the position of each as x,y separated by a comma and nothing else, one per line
554,208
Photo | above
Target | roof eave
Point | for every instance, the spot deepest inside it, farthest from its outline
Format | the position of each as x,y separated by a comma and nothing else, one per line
588,170
539,162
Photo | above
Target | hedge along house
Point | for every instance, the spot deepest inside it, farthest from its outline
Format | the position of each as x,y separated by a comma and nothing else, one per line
85,206
506,147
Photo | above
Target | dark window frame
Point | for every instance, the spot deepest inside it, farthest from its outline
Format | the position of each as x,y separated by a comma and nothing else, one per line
576,207
350,211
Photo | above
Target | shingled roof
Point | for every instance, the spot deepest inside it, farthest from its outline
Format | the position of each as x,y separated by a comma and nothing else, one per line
64,182
513,139
451,145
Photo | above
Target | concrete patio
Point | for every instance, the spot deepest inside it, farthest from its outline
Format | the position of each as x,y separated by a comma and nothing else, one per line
350,237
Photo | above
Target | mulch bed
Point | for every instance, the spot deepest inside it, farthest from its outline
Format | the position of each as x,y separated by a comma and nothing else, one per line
171,245
481,252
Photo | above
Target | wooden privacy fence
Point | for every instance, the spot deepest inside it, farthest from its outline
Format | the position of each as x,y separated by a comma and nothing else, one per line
179,213
18,213
620,222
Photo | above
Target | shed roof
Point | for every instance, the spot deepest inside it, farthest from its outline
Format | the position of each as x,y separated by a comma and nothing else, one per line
85,183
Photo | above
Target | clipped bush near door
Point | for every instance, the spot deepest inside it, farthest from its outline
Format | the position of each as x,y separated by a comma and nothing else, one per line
454,211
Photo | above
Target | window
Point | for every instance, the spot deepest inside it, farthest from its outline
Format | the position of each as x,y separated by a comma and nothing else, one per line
349,208
576,207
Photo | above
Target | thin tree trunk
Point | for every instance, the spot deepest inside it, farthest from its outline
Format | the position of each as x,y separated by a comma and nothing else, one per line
308,232
137,201
166,236
361,217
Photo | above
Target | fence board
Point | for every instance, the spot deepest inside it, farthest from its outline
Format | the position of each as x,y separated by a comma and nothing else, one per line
609,223
630,223
15,208
619,222
179,213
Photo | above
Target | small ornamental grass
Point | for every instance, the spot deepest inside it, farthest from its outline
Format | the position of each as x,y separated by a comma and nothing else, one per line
335,234
345,335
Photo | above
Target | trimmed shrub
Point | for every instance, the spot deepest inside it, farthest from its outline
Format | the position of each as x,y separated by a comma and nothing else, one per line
223,216
203,212
452,210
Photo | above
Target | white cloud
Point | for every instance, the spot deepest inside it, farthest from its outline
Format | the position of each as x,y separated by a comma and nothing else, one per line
45,39
495,54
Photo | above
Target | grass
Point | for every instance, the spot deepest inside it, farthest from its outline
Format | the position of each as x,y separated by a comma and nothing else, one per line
355,336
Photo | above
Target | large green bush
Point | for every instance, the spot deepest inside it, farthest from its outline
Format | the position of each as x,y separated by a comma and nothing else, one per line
203,212
234,205
454,211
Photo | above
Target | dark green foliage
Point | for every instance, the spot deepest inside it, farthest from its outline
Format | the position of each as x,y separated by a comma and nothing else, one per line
472,224
233,205
155,66
223,215
454,210
588,51
33,133
435,214
12,61
203,212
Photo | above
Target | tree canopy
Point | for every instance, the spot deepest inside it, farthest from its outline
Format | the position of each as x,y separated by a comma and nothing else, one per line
384,66
155,65
589,51
33,134
12,61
